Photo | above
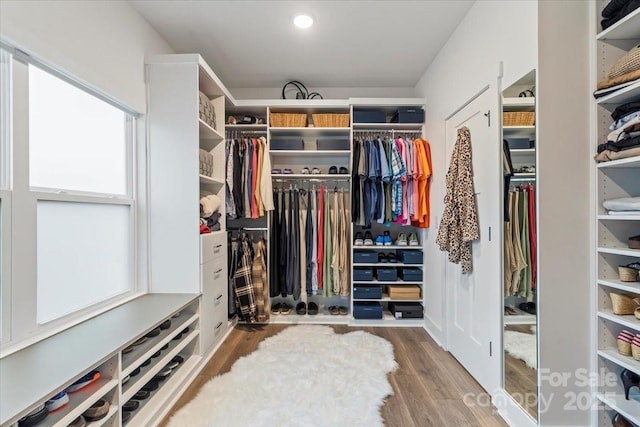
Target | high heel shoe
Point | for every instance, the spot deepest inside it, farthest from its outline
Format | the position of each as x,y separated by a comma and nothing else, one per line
620,421
629,379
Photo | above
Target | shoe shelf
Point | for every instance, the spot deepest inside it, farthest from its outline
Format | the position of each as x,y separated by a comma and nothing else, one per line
625,94
388,126
626,408
385,264
388,319
387,248
633,287
626,362
322,318
391,282
81,400
619,217
310,153
142,352
628,321
625,29
154,404
387,298
309,131
620,251
309,176
157,364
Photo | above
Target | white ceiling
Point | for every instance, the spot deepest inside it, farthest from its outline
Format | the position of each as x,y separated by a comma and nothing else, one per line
352,44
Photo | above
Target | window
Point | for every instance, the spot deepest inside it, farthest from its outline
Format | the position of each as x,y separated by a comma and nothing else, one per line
66,198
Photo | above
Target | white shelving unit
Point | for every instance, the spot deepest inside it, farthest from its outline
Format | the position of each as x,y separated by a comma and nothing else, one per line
614,179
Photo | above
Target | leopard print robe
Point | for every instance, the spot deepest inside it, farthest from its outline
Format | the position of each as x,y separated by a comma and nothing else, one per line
459,224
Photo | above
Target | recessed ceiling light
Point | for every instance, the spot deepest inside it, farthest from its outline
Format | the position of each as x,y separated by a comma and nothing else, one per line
303,21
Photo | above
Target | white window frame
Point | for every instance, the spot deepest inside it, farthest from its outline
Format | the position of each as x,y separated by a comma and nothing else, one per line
19,301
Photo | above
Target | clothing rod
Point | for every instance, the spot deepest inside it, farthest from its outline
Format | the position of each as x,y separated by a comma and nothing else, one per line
356,131
310,179
520,179
247,229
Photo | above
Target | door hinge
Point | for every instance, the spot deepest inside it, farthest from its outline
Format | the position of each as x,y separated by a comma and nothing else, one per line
488,116
490,349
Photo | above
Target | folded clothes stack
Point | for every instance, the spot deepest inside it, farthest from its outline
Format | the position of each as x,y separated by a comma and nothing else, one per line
615,10
209,213
623,206
624,139
625,71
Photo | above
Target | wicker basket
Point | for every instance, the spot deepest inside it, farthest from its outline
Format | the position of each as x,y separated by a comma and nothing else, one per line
624,304
518,118
331,120
288,120
624,346
628,274
635,350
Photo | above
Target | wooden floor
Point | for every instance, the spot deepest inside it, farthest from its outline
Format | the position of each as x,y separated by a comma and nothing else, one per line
429,387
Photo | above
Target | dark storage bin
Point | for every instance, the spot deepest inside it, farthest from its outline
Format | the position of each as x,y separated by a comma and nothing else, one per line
367,310
409,257
287,144
519,143
406,310
365,256
332,143
367,292
369,116
387,274
363,274
411,274
408,115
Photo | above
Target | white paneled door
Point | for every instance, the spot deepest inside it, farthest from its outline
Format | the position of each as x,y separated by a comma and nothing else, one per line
473,300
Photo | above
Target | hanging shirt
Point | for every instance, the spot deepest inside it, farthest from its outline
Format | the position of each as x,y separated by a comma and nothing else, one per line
266,185
321,238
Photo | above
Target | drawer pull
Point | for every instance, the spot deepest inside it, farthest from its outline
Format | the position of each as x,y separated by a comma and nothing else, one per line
218,271
219,324
218,246
219,296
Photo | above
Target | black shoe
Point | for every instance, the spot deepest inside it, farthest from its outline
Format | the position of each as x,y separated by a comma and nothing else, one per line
333,170
629,379
312,309
301,308
382,257
343,170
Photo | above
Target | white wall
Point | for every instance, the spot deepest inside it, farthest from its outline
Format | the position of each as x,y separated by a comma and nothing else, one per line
327,92
101,42
491,32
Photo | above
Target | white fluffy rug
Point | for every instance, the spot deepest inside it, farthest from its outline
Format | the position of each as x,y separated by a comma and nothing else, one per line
304,376
522,346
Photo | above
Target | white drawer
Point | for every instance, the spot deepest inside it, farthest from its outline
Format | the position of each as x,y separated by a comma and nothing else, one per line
213,246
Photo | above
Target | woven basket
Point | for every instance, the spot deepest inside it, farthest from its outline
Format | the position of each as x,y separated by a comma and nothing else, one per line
331,120
288,120
627,274
518,118
629,63
624,347
624,304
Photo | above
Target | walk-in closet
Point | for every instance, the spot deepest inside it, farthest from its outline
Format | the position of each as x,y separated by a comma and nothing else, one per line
266,213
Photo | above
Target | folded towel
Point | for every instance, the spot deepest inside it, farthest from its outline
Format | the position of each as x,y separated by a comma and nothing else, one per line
209,204
622,204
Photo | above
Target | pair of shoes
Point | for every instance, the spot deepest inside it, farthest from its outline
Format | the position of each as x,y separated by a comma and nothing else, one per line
359,240
301,308
629,272
83,382
34,417
281,308
402,240
628,344
528,307
629,379
509,311
97,411
413,239
634,242
57,401
334,170
368,238
383,239
130,405
312,308
390,257
338,310
620,421
305,171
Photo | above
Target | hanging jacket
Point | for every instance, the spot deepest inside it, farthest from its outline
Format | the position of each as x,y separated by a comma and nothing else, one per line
243,289
459,224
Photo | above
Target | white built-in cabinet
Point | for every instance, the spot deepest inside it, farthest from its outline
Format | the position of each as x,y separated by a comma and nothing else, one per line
614,179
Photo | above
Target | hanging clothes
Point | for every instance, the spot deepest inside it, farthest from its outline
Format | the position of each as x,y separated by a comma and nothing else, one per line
259,277
243,289
459,224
